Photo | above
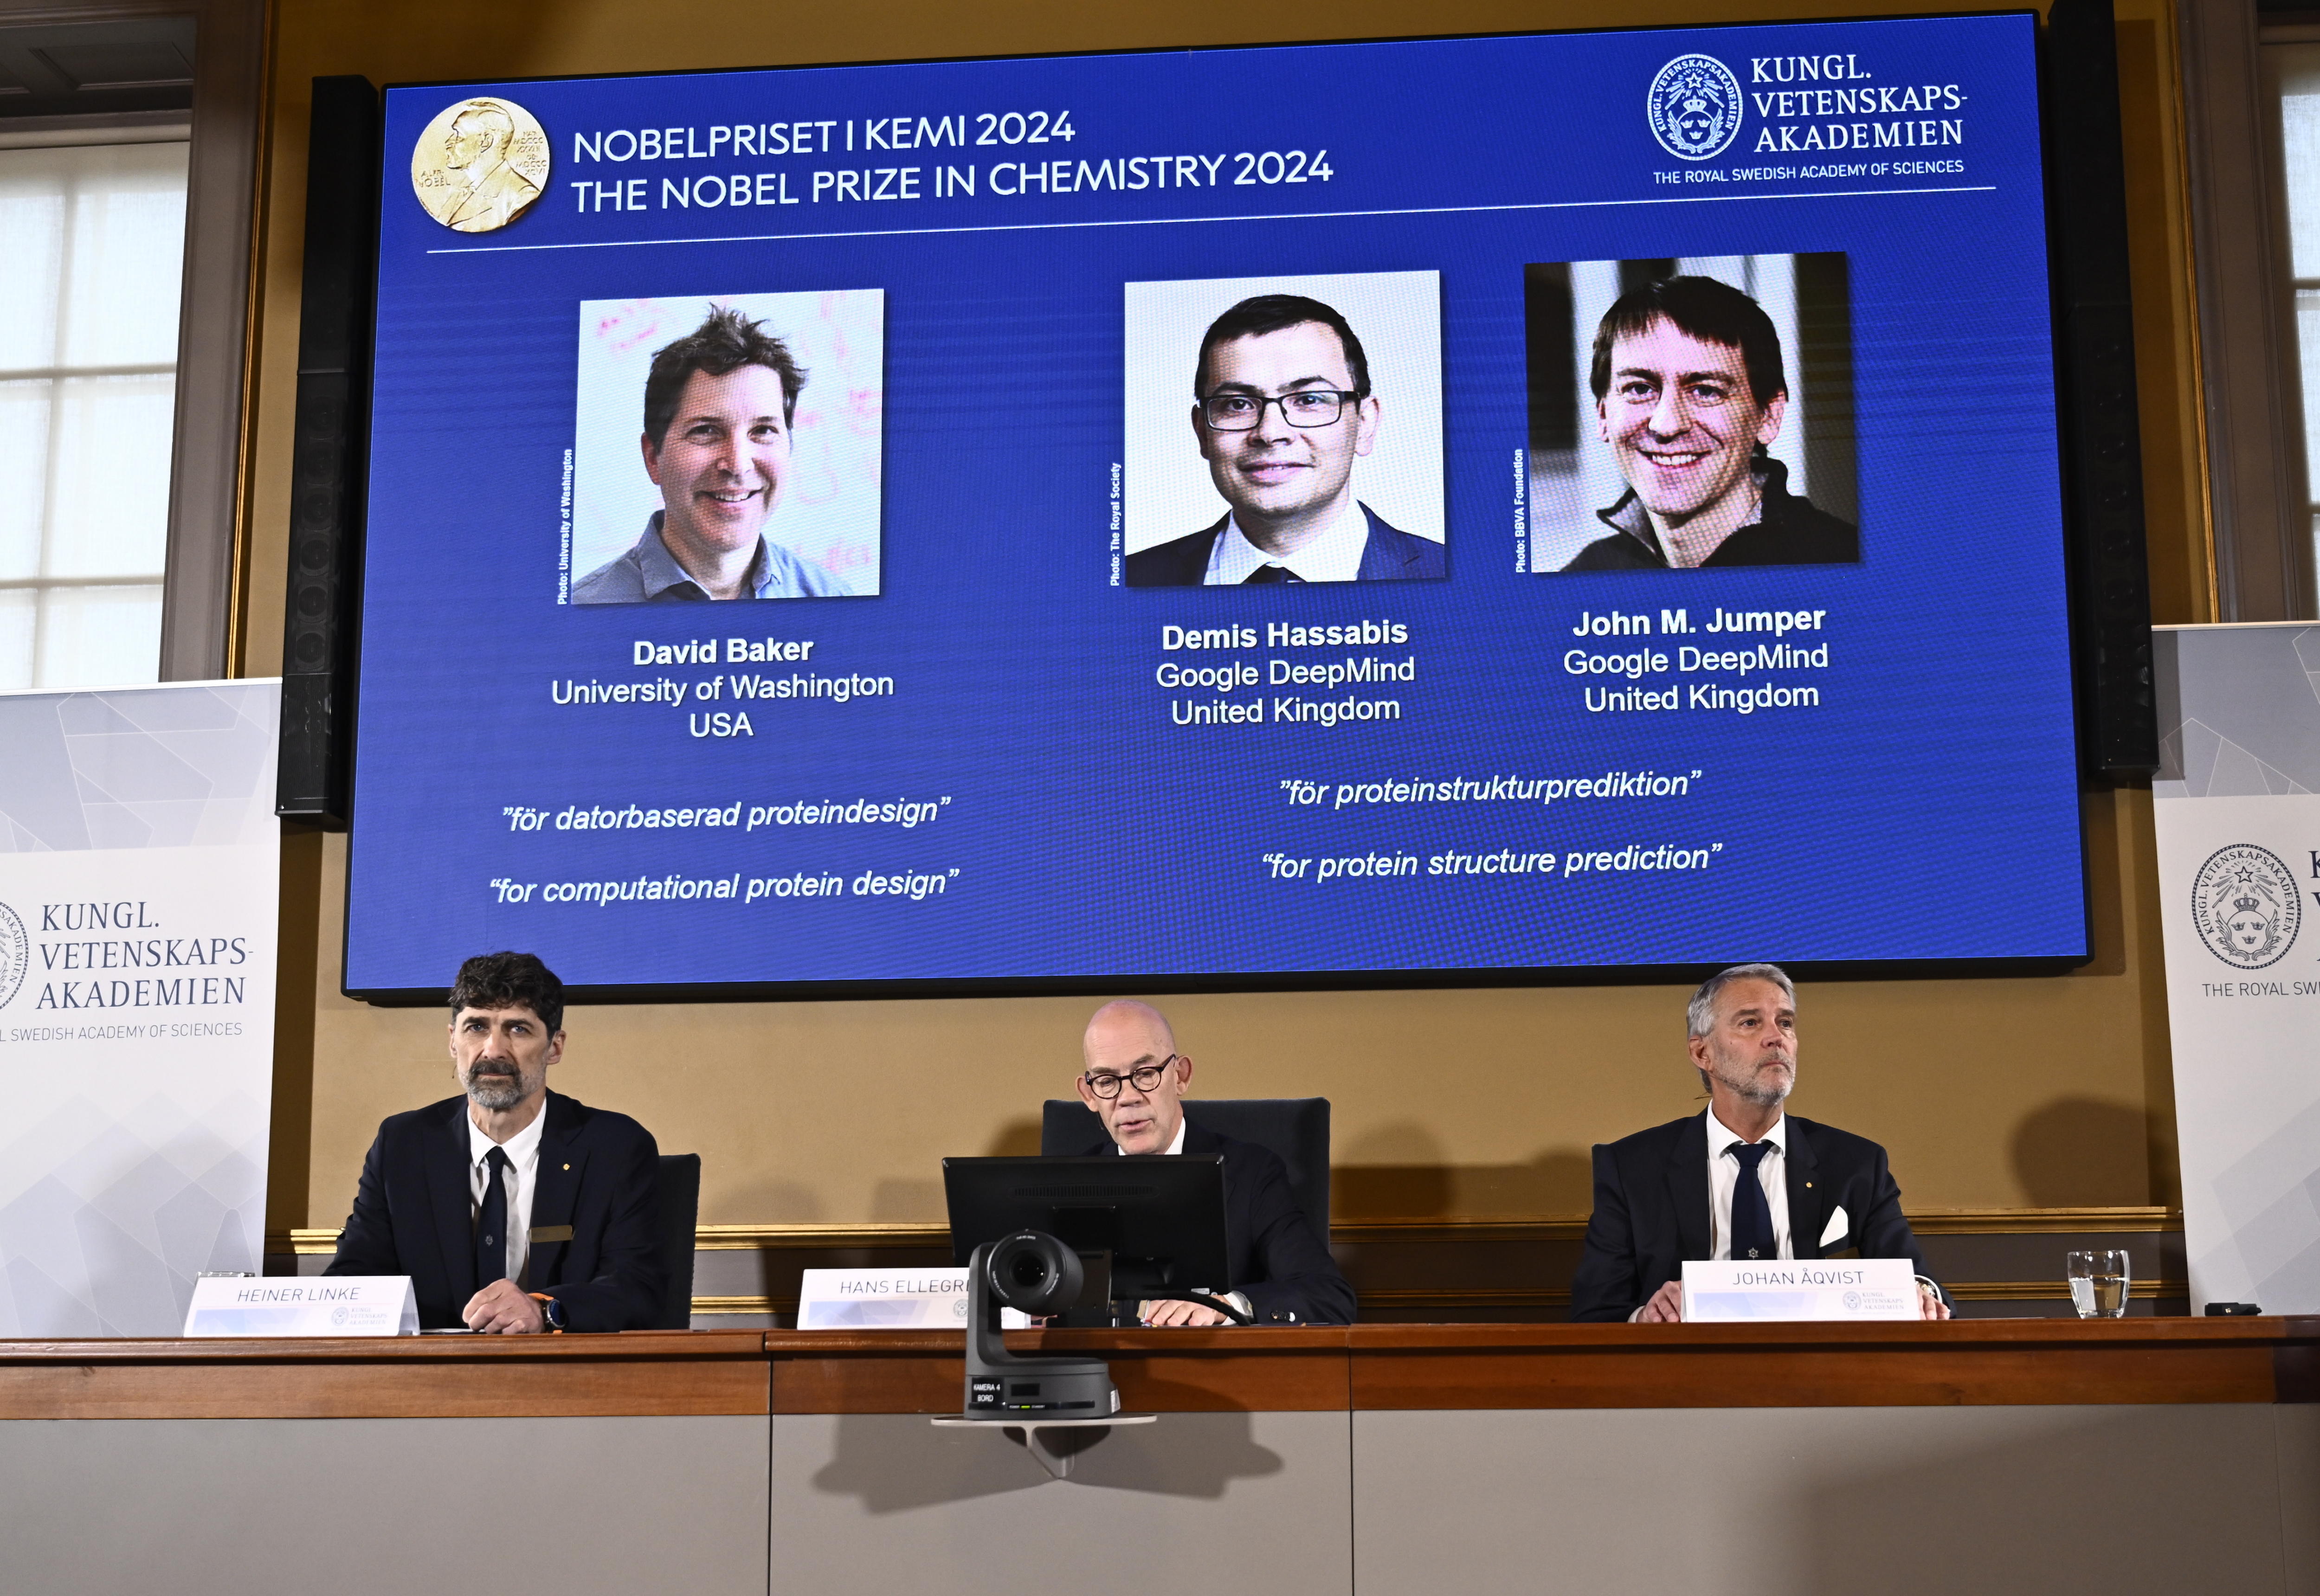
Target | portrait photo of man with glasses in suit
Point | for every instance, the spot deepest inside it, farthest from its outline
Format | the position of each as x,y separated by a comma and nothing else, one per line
1286,411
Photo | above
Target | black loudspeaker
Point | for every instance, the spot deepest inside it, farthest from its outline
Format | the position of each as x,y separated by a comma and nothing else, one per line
2102,447
328,457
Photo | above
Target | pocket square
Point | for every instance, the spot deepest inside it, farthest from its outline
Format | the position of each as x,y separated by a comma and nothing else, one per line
1835,1228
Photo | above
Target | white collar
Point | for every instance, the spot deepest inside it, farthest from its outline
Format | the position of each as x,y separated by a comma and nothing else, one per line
1335,555
521,1148
1175,1147
1721,1135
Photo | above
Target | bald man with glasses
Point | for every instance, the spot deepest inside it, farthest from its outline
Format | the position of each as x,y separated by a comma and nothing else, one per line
1135,1081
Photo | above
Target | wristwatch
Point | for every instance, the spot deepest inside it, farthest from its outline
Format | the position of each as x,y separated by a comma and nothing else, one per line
552,1312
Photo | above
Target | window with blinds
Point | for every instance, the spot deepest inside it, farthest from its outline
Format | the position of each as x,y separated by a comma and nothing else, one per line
88,350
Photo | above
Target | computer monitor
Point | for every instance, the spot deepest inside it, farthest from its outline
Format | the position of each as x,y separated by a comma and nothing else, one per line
1162,1218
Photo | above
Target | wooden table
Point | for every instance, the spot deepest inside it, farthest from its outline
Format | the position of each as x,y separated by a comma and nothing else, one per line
662,1372
2159,1454
1962,1363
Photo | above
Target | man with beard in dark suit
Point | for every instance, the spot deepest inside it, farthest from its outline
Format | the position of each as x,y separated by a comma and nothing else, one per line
513,1210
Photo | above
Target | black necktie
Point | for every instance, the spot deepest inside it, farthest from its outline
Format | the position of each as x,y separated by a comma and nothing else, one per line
1752,1217
1271,574
491,1221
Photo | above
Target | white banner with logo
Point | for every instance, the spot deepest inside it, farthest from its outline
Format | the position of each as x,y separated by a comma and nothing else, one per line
140,862
2237,811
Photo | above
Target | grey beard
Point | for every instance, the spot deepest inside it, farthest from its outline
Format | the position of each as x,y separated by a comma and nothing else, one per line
1763,1097
495,1092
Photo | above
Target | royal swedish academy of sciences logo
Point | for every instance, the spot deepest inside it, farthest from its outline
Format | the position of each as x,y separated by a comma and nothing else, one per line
2245,904
16,955
1695,107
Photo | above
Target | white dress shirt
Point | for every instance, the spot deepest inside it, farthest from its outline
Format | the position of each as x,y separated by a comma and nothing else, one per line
1335,555
1724,1179
1174,1148
522,1182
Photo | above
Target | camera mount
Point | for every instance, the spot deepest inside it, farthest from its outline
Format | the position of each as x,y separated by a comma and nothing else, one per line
1055,1408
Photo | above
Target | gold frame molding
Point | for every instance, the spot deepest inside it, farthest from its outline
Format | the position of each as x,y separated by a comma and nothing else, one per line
1552,1226
2016,1290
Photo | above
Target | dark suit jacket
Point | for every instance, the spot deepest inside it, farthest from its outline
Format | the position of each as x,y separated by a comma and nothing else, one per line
1278,1263
1790,531
1651,1208
599,1174
1389,555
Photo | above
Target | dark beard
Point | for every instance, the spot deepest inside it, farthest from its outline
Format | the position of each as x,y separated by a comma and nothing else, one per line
491,1090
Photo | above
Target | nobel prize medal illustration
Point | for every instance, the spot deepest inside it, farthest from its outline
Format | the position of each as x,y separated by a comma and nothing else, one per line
480,164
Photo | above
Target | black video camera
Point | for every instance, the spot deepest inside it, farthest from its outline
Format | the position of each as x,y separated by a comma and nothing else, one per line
1031,1272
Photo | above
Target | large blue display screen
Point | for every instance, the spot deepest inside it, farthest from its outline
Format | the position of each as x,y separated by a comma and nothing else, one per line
1486,504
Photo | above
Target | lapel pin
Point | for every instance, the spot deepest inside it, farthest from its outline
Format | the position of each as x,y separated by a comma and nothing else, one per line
568,1167
1807,1183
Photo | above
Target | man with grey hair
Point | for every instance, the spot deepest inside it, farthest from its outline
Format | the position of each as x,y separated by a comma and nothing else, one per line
514,1209
1744,1179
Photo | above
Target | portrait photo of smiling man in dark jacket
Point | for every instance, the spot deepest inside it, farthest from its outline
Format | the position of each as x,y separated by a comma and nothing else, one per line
1690,394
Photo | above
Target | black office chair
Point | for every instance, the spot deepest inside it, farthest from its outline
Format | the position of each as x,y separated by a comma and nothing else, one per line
1296,1129
680,1212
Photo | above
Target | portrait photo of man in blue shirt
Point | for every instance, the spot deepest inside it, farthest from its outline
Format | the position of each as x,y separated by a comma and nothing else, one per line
719,406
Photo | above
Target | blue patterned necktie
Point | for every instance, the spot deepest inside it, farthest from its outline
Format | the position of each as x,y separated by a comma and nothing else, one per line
1271,574
1751,1216
491,1221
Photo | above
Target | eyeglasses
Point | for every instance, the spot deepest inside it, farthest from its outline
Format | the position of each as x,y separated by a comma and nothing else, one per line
1244,412
1144,1077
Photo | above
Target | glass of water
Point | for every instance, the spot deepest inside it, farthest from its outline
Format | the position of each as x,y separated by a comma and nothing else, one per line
2097,1283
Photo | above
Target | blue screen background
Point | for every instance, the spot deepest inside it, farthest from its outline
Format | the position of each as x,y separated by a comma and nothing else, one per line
1926,809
